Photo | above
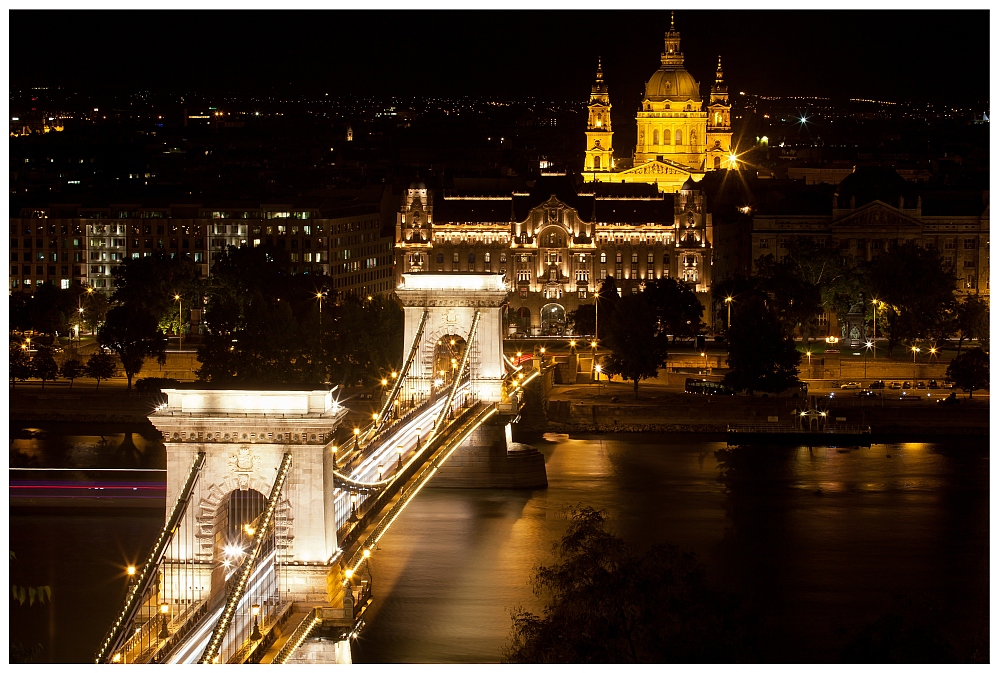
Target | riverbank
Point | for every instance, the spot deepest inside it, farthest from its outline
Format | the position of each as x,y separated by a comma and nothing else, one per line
612,407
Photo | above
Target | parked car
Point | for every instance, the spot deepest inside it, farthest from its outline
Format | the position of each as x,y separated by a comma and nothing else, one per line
877,385
895,385
906,385
933,384
851,385
921,385
951,399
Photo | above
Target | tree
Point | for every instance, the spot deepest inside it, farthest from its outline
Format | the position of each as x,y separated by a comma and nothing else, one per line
607,298
678,309
152,282
762,356
100,365
19,368
970,370
582,319
638,350
915,290
132,332
95,309
72,369
44,367
795,299
607,603
972,321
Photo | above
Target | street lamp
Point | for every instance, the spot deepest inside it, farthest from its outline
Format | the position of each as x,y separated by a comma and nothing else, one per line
399,456
869,345
164,611
319,295
874,328
255,611
597,368
729,313
418,439
706,361
180,318
915,351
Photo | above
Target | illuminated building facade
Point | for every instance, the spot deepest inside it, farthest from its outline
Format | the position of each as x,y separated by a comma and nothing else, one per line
678,137
556,240
71,245
874,210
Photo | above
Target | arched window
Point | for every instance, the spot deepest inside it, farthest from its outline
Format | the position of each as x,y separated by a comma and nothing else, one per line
503,257
694,138
678,138
666,136
472,258
604,258
717,162
666,259
656,137
440,258
635,258
486,257
618,257
649,258
597,162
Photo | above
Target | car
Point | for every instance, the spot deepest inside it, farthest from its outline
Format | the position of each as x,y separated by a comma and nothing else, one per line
911,398
877,385
832,351
867,393
852,385
921,385
933,384
895,385
906,385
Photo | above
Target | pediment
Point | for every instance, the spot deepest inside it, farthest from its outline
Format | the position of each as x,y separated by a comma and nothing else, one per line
657,167
879,214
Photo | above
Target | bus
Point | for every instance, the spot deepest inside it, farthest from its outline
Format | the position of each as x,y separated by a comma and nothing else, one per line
705,387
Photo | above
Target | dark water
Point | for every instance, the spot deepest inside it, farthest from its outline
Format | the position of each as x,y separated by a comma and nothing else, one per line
822,541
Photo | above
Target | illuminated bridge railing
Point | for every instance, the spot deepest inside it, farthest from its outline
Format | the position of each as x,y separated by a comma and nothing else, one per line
253,599
162,593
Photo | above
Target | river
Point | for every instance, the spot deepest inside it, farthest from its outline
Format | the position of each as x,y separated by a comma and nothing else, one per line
823,540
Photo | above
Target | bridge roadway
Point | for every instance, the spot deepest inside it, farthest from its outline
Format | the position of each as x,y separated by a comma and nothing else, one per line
373,470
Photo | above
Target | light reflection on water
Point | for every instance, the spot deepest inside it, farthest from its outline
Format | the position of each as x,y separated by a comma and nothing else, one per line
821,538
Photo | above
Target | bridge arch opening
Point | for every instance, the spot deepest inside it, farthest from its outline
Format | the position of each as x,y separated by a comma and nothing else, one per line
553,319
448,354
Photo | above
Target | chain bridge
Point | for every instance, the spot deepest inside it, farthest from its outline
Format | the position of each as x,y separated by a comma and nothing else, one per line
270,520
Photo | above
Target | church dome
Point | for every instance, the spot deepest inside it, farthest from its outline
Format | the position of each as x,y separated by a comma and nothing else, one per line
672,84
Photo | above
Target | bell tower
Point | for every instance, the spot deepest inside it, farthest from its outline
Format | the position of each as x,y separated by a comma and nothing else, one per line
719,134
599,150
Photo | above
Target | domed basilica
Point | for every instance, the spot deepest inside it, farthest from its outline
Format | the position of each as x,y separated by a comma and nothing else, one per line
677,139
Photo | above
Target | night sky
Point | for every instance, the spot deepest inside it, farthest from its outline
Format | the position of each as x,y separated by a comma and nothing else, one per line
934,56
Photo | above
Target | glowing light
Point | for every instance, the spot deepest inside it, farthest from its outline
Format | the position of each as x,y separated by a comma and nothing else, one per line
232,550
164,608
130,571
117,657
367,553
255,609
357,431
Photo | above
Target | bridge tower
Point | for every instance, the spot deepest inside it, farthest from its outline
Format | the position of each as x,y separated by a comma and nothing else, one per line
445,314
244,435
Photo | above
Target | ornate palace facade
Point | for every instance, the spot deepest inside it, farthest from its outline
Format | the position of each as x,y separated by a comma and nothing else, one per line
556,240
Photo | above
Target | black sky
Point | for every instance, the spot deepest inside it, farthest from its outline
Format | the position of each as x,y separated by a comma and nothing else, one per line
934,56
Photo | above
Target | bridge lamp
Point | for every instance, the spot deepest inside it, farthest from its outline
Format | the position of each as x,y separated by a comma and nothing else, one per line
375,416
333,449
255,611
518,354
357,431
366,553
399,454
380,472
347,574
542,349
385,382
249,530
116,658
354,504
452,342
393,374
130,571
418,439
164,611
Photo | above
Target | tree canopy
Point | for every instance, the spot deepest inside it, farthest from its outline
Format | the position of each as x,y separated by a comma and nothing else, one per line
607,603
677,308
100,365
762,355
971,370
132,332
638,348
915,293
